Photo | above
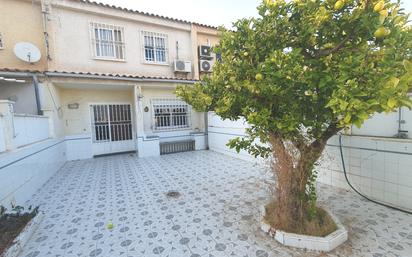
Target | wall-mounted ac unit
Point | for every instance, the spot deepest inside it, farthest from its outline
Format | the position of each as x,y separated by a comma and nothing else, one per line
206,65
205,52
183,66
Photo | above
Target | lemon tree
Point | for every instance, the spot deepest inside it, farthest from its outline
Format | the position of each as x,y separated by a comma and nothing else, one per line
301,72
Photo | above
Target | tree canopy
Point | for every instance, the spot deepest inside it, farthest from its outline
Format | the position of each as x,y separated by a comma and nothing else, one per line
305,69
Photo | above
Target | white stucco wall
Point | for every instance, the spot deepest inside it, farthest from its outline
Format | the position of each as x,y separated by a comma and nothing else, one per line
151,92
24,171
386,124
221,131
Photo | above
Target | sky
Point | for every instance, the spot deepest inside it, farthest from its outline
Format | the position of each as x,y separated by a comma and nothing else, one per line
211,12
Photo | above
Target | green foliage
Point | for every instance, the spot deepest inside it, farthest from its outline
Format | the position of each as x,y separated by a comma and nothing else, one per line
304,66
311,193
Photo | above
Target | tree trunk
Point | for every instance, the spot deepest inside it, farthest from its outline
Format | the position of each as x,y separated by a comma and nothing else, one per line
293,168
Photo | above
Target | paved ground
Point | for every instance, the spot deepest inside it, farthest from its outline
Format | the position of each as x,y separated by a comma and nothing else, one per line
216,215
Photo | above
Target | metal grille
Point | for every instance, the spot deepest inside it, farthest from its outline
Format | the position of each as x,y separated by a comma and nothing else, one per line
107,41
155,47
177,147
170,114
111,123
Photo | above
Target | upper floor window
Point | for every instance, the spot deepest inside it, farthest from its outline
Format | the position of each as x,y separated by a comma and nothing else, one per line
1,41
155,47
107,41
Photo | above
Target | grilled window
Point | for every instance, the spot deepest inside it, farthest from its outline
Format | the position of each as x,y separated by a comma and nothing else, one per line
170,114
108,41
155,47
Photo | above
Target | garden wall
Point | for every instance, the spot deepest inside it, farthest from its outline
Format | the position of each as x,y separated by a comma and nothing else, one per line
25,170
378,167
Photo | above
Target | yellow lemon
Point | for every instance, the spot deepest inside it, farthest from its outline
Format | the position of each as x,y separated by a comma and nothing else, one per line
339,5
379,6
382,32
110,226
245,54
384,13
259,77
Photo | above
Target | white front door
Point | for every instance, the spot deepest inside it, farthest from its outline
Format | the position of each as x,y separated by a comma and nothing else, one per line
112,128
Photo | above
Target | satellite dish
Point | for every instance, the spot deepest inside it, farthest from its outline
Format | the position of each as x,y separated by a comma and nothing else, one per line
27,52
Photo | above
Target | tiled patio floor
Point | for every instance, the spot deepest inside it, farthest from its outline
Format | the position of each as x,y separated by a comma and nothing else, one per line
216,215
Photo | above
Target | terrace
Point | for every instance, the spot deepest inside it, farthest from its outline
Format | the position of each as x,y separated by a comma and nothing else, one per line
217,213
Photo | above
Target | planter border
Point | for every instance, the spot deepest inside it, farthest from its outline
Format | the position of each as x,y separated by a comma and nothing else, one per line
21,240
326,244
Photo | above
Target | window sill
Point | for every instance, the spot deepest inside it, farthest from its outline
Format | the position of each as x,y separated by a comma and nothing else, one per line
170,129
108,59
157,63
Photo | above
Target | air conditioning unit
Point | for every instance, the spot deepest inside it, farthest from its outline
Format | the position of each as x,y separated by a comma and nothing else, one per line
206,65
205,52
183,66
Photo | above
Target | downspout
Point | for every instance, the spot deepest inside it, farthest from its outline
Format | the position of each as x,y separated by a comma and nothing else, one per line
37,95
45,12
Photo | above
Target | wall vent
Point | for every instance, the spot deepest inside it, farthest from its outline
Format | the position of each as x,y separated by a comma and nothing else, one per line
177,146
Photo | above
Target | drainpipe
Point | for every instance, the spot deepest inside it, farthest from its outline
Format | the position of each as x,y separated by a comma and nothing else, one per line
45,12
37,95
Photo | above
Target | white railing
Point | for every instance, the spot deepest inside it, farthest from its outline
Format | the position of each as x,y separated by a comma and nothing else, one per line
29,129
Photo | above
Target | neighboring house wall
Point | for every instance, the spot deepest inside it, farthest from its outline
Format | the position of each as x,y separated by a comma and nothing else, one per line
21,21
202,36
22,94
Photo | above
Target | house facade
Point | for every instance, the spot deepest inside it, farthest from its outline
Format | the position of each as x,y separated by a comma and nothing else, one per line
21,21
107,76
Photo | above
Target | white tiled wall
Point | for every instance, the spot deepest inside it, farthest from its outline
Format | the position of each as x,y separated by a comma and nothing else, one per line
380,168
384,175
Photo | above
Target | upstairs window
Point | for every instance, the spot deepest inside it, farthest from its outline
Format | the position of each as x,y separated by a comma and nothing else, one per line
1,41
107,41
155,47
170,114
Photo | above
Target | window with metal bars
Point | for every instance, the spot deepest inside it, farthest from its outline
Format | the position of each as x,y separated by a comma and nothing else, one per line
170,114
155,47
108,41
